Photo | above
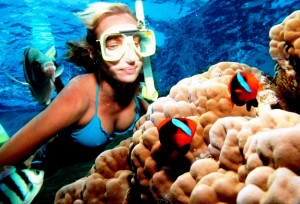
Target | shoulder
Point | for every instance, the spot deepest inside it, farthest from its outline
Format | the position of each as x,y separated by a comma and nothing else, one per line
82,83
84,79
79,91
74,101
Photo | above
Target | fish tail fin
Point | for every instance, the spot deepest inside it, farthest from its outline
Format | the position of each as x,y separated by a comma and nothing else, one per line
260,87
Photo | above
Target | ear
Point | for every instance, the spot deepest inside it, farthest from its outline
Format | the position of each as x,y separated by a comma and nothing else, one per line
91,53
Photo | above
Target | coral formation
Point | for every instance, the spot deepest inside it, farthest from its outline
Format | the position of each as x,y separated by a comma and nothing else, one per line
264,183
285,50
235,155
223,163
109,175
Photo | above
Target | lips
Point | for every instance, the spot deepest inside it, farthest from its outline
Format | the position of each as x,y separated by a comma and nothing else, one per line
129,70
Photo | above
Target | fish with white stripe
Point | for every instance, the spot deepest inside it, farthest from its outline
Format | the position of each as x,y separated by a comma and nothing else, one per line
19,186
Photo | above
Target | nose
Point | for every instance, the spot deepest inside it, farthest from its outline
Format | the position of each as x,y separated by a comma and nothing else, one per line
130,54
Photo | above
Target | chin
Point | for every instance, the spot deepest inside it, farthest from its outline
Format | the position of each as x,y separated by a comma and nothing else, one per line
128,80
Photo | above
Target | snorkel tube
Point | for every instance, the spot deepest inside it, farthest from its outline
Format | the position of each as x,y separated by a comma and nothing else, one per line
148,89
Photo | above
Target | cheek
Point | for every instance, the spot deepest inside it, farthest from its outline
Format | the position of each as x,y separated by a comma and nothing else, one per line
139,64
105,67
113,65
109,64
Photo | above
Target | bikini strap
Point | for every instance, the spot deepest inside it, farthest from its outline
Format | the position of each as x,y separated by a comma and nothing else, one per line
137,104
96,103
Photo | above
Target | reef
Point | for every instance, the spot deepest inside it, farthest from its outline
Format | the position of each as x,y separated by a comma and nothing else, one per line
285,50
235,156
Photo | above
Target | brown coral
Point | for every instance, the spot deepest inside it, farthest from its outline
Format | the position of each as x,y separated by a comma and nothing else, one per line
266,185
285,38
225,150
273,148
285,50
182,188
108,180
203,98
217,187
228,136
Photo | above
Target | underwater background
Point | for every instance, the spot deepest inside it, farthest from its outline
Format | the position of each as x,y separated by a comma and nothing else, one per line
191,36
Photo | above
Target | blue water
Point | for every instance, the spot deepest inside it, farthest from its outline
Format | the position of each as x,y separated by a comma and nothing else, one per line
191,36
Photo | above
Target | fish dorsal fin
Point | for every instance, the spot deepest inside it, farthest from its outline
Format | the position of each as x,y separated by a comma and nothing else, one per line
242,81
182,126
51,53
6,171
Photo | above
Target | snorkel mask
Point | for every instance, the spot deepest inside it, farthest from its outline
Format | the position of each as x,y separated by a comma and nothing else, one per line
114,44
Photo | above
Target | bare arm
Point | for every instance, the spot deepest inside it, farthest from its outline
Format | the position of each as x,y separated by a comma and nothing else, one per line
68,107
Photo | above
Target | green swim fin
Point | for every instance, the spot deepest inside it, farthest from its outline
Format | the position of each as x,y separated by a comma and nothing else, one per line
3,135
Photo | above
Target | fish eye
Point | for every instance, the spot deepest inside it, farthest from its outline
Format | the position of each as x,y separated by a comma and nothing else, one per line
36,172
36,64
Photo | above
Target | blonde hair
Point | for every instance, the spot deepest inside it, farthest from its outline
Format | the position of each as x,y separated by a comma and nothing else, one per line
79,52
99,10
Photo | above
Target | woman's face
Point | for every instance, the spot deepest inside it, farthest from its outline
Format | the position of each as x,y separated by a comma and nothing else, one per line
128,67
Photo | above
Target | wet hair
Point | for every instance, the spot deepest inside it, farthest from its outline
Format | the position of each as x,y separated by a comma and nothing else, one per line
79,52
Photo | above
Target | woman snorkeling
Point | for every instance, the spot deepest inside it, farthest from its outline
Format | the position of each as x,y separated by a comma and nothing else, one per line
93,107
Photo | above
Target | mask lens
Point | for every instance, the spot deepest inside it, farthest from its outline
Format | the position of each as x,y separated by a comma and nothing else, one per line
147,43
114,45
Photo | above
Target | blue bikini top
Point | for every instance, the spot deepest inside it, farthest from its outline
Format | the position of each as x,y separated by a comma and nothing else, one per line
93,134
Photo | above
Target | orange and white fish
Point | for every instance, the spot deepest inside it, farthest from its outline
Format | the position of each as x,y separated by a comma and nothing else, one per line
243,88
176,133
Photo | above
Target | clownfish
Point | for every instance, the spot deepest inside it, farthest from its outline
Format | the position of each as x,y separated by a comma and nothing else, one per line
177,133
243,88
